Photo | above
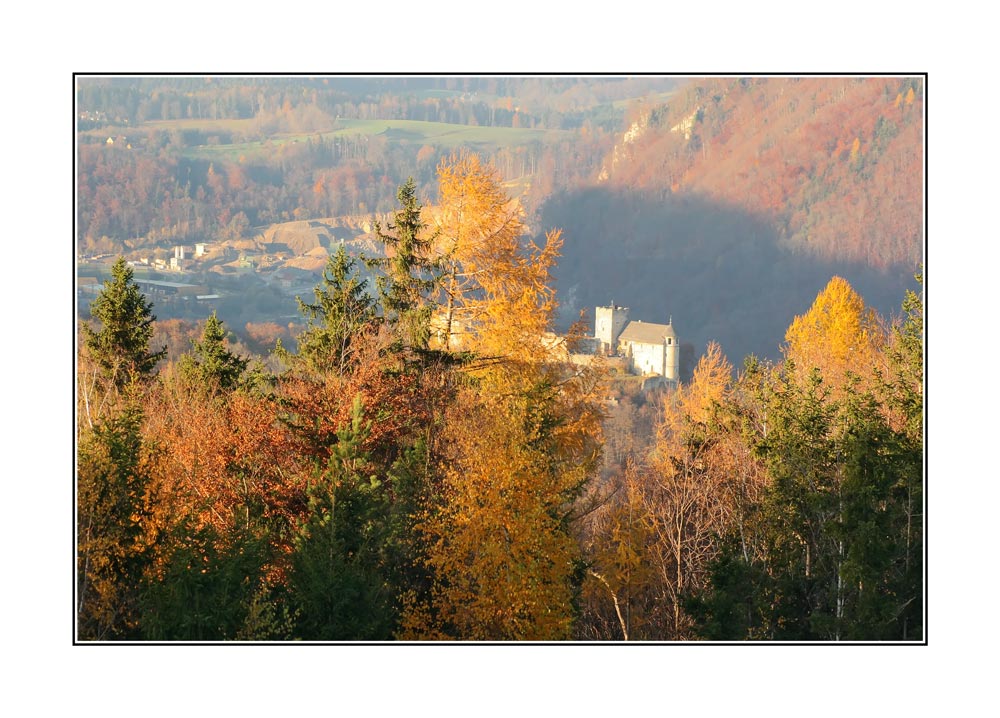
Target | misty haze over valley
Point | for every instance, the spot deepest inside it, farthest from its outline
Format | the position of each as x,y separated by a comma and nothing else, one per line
725,203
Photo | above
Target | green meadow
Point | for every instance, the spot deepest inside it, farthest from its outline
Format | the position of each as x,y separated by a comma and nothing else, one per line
416,132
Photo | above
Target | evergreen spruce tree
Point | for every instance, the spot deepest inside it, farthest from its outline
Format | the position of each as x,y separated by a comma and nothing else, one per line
338,583
838,529
410,272
121,345
112,550
341,312
212,603
872,598
210,363
904,389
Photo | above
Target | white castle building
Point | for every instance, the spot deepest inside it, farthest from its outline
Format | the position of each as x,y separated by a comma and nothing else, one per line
648,348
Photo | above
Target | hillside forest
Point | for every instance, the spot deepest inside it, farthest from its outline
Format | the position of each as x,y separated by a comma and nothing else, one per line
377,480
724,202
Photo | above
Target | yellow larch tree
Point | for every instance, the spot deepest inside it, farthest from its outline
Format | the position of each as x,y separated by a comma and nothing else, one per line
518,441
839,335
500,557
621,597
498,296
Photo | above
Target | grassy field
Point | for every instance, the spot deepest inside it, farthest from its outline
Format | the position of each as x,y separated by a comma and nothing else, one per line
206,126
242,150
416,132
443,133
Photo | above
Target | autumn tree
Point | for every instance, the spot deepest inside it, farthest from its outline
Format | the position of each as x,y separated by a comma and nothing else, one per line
620,597
839,336
501,551
498,283
226,493
835,531
518,443
477,224
683,495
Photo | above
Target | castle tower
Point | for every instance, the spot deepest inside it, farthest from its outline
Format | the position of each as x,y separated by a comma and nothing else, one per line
672,353
608,325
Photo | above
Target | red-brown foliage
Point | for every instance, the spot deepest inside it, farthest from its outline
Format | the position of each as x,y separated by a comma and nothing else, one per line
316,407
223,462
836,162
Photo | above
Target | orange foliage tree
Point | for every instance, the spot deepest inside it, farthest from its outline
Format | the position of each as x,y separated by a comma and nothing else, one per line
518,442
652,546
491,285
839,335
226,489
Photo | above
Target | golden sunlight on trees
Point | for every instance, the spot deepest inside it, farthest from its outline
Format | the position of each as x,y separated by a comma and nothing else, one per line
500,557
652,547
518,443
829,546
838,335
499,297
500,549
685,493
708,388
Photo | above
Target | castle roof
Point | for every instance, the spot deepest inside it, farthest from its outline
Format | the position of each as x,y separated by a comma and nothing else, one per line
646,333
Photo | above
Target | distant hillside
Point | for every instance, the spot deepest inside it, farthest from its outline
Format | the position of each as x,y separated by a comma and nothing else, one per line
732,206
836,164
166,160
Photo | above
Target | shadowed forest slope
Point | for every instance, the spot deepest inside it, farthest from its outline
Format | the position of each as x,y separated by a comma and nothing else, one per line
732,205
836,164
719,270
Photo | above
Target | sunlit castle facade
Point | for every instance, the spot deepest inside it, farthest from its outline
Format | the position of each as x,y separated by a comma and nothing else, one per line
650,349
608,325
